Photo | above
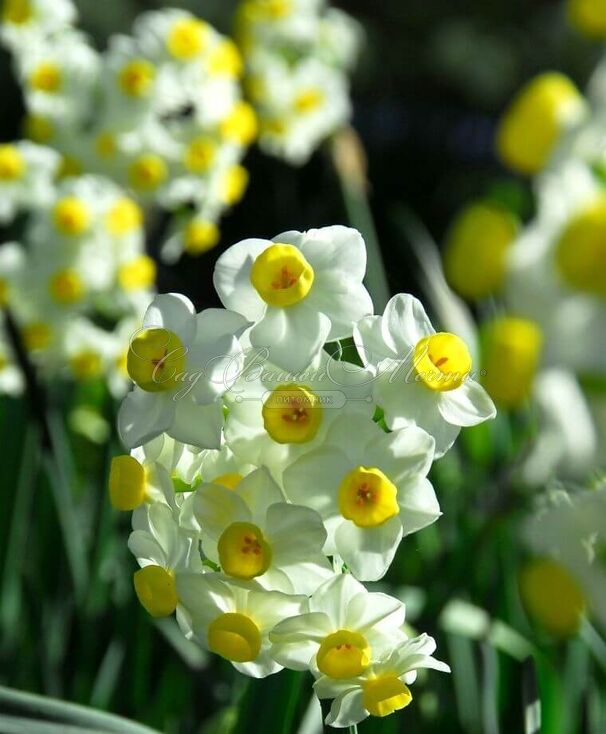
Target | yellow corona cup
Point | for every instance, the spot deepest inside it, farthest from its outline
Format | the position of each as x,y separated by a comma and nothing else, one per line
476,249
512,354
535,121
588,16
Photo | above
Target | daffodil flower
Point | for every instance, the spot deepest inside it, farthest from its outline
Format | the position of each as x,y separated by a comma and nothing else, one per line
233,619
422,377
382,688
252,533
370,488
181,364
342,630
300,290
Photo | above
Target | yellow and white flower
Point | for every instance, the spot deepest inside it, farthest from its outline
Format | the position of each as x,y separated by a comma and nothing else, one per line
370,488
341,631
234,619
181,364
382,688
274,416
252,533
422,377
26,177
299,289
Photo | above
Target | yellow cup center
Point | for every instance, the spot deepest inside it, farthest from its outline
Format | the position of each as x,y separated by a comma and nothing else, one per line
12,163
46,77
442,361
187,38
86,365
581,250
234,184
343,654
235,637
156,360
367,497
17,12
199,236
71,216
200,154
156,590
124,217
66,287
240,125
37,336
138,273
282,276
384,695
292,414
243,551
126,483
309,100
147,172
512,351
229,481
135,79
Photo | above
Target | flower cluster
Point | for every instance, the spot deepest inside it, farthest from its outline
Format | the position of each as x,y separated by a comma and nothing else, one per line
547,274
274,465
297,55
159,112
78,285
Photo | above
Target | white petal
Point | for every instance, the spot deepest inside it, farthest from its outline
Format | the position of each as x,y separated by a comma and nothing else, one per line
419,505
296,656
406,322
145,548
174,312
333,597
347,710
258,490
205,596
402,454
198,425
368,552
143,416
294,335
296,533
263,666
312,626
335,249
217,507
232,278
369,610
214,323
468,405
372,343
342,299
313,480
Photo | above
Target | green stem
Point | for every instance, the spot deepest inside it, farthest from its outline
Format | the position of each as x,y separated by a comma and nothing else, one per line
347,155
353,729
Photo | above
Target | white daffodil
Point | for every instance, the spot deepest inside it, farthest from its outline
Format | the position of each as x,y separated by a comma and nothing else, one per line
343,629
25,21
252,533
422,377
555,274
223,467
382,688
298,107
299,289
566,444
162,549
370,488
233,619
58,76
181,364
26,177
274,416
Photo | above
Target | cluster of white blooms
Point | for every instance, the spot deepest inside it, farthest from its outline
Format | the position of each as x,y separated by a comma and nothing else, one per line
548,274
297,55
78,285
159,112
269,476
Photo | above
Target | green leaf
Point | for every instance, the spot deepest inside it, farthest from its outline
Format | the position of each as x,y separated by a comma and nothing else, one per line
28,713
